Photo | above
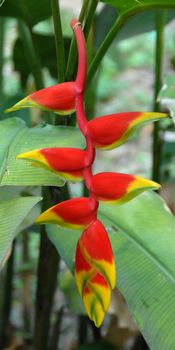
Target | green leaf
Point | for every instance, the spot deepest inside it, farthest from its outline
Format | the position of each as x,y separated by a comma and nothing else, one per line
135,6
66,247
17,138
12,213
30,11
47,54
142,234
138,24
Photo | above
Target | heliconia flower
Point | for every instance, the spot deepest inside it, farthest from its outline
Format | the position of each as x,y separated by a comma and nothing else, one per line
93,288
94,302
66,162
118,188
59,98
113,130
95,270
75,213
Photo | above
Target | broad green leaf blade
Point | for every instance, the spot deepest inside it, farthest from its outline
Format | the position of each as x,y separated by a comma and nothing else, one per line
140,23
30,11
142,234
65,242
8,131
12,213
135,6
23,139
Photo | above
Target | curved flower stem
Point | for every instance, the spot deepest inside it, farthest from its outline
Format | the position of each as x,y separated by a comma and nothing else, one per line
88,8
81,116
58,40
71,63
159,50
82,61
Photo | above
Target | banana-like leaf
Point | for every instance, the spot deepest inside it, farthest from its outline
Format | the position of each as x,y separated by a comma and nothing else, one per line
12,214
134,6
16,138
142,234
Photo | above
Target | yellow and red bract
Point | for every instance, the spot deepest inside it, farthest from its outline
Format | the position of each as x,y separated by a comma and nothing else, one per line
59,98
113,130
118,188
66,162
75,213
95,270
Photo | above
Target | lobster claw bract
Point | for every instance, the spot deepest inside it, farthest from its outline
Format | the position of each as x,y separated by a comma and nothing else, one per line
58,98
113,130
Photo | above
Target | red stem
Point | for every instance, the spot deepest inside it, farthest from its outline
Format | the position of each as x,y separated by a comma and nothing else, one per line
82,61
80,111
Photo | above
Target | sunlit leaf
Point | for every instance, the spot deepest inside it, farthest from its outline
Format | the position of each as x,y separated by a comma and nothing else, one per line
12,213
16,138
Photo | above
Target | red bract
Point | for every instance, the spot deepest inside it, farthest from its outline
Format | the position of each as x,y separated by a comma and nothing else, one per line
119,188
59,98
111,131
74,213
95,270
69,163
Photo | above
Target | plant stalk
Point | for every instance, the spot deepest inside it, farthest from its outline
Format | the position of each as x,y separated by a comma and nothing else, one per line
159,51
7,299
121,19
88,10
59,41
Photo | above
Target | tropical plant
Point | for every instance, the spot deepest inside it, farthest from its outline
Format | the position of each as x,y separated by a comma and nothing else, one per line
140,232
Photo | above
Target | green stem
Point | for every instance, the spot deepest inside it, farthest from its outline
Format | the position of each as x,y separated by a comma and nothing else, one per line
90,16
87,10
105,45
46,282
7,299
58,40
1,54
159,50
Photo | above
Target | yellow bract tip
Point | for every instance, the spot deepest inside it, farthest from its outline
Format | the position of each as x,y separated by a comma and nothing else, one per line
24,103
141,183
34,156
47,217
